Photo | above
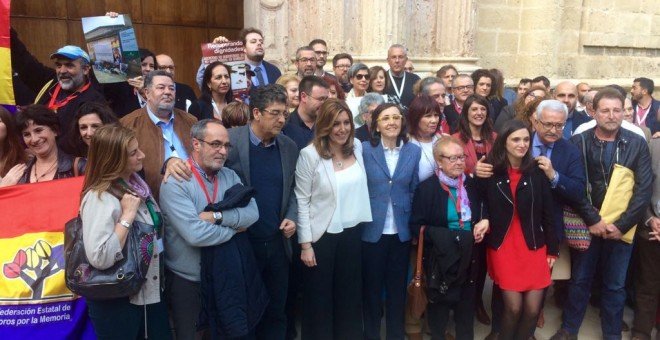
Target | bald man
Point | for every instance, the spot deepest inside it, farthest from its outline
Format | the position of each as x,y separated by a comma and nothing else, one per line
184,95
567,93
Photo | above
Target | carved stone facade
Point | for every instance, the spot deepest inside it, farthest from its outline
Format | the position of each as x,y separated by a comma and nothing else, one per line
598,41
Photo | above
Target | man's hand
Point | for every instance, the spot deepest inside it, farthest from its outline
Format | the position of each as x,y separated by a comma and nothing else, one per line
288,227
656,135
654,223
220,40
599,229
483,169
480,229
207,216
545,164
112,14
612,232
177,168
137,82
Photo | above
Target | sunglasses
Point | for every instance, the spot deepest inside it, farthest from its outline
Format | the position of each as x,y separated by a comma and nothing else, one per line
362,76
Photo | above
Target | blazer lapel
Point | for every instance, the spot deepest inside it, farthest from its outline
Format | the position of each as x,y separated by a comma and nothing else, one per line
244,152
286,180
404,157
379,155
330,173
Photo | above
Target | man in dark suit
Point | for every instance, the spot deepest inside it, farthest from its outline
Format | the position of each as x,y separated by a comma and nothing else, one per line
567,93
646,107
461,87
184,94
266,160
265,72
401,82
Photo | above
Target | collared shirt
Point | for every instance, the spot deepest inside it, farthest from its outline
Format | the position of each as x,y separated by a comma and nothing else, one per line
258,142
171,142
537,146
391,158
297,130
208,177
262,69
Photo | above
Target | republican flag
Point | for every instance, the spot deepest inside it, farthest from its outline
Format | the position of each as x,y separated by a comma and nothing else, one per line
34,300
6,85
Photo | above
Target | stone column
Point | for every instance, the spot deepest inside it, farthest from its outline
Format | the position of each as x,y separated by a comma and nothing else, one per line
435,32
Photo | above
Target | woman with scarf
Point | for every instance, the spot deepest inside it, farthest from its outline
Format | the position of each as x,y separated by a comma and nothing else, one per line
114,196
447,205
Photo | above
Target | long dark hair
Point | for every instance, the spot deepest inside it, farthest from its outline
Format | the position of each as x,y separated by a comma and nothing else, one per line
498,155
374,136
75,143
12,149
208,74
464,122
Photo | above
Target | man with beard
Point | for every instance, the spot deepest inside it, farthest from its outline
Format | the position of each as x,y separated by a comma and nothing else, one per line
646,108
63,89
340,64
165,129
188,227
401,82
300,127
265,159
305,61
265,72
567,93
321,50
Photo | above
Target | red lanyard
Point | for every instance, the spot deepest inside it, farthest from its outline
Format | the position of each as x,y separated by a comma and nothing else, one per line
456,200
201,183
456,107
55,104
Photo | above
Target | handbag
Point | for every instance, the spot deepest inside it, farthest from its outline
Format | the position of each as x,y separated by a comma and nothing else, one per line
417,288
123,279
576,230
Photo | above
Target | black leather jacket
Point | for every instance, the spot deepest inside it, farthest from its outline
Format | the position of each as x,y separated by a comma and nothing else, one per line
630,151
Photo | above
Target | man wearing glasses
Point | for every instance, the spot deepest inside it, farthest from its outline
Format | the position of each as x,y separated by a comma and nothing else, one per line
188,227
321,50
305,61
340,64
461,87
300,127
265,159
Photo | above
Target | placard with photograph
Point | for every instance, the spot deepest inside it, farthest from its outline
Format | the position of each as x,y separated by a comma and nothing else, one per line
232,54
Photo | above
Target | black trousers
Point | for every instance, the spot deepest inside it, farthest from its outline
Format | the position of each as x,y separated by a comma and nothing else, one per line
437,315
274,267
294,289
332,292
185,302
384,265
647,287
119,319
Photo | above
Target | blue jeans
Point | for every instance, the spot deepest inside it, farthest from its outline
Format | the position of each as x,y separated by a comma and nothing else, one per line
614,257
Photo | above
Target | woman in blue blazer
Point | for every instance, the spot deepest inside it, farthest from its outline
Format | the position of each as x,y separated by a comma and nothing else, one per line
391,164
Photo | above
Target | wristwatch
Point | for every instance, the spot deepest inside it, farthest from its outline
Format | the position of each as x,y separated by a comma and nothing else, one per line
217,215
125,224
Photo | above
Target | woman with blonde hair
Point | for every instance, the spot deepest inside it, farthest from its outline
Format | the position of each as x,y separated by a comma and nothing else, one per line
290,83
114,197
333,201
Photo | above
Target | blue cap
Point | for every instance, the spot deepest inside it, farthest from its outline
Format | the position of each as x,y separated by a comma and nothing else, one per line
70,52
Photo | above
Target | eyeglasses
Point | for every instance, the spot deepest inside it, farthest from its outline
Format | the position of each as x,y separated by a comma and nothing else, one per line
531,94
342,66
389,118
321,99
217,145
321,52
307,60
284,113
165,68
454,159
362,76
549,126
464,87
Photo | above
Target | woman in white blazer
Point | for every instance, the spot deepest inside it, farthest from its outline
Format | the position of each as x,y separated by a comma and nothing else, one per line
333,201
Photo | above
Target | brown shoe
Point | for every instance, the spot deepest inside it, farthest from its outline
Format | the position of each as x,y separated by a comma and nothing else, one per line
415,336
449,336
540,322
563,334
481,315
492,336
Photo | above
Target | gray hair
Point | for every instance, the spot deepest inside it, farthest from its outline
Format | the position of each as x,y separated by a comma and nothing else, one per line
461,76
368,100
551,105
355,68
198,130
425,83
405,50
303,48
149,79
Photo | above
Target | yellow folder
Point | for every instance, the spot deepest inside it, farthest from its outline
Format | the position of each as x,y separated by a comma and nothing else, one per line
617,197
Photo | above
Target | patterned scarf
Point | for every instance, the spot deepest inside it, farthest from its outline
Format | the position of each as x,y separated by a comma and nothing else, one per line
457,183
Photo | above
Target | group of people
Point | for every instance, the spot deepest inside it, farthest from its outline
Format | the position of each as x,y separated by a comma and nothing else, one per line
292,192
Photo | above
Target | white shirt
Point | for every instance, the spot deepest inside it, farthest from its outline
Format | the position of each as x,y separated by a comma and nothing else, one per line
625,124
350,211
427,163
391,158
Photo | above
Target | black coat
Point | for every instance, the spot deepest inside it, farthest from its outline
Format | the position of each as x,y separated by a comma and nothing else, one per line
452,118
534,206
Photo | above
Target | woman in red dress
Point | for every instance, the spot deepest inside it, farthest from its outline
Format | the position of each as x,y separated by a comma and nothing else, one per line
521,245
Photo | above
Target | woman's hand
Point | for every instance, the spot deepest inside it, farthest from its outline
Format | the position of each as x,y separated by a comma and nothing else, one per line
129,206
112,14
220,39
13,175
551,261
480,230
177,168
137,82
307,255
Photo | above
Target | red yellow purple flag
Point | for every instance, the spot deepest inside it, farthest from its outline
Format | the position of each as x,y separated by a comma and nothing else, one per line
6,85
34,300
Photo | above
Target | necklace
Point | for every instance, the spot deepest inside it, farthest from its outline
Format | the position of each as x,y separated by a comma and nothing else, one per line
37,177
340,164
